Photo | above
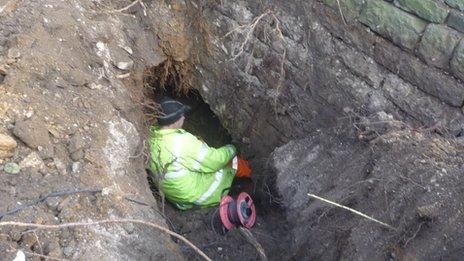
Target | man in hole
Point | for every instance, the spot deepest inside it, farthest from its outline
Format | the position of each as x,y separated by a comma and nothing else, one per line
190,173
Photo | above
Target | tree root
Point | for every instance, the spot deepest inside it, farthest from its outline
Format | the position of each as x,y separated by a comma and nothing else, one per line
253,241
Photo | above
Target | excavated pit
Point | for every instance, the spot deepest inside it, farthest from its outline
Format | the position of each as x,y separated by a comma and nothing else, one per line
202,226
322,103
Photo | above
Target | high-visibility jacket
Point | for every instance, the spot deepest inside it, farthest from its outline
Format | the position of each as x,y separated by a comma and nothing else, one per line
190,172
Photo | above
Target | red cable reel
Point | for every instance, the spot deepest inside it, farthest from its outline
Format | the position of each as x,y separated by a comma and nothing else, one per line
239,212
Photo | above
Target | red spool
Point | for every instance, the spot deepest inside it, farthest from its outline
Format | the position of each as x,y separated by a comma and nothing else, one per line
223,212
239,212
247,219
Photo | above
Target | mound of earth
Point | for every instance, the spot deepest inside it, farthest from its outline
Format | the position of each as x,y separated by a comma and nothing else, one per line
408,179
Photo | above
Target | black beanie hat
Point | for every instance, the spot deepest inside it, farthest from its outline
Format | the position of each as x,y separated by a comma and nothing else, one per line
171,111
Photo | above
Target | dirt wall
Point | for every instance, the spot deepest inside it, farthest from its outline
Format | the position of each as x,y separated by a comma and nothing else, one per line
329,88
409,180
71,118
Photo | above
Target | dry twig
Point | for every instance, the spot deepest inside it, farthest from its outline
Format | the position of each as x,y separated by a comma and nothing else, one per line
38,242
352,210
341,13
107,221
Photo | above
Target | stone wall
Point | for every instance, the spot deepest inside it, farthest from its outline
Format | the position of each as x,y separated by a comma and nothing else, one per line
429,29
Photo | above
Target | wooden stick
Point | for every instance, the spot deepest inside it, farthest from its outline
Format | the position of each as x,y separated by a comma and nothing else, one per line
108,221
341,13
352,210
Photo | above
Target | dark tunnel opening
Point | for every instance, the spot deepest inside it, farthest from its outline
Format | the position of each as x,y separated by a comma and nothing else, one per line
203,225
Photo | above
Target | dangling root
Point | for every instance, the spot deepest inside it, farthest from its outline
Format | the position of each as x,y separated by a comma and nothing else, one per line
252,240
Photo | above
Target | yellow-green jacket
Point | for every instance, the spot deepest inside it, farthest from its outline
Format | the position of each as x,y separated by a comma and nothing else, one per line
190,172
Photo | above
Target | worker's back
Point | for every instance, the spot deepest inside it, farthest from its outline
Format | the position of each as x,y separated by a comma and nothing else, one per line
190,172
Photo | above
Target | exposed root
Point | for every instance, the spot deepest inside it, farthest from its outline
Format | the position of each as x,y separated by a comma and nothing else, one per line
129,6
414,235
143,152
38,242
171,225
253,241
247,31
272,199
121,10
108,221
171,73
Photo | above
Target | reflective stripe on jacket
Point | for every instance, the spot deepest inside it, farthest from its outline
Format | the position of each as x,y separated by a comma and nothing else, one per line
191,172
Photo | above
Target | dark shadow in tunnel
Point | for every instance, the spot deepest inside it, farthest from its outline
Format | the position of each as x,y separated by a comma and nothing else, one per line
201,120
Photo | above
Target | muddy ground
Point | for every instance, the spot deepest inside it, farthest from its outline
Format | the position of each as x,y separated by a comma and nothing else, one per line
204,228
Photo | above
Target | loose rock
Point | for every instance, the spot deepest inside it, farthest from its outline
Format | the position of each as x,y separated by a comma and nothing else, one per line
76,167
53,249
52,203
20,256
125,65
13,53
11,168
7,144
28,240
33,161
60,166
77,155
33,133
429,211
76,143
